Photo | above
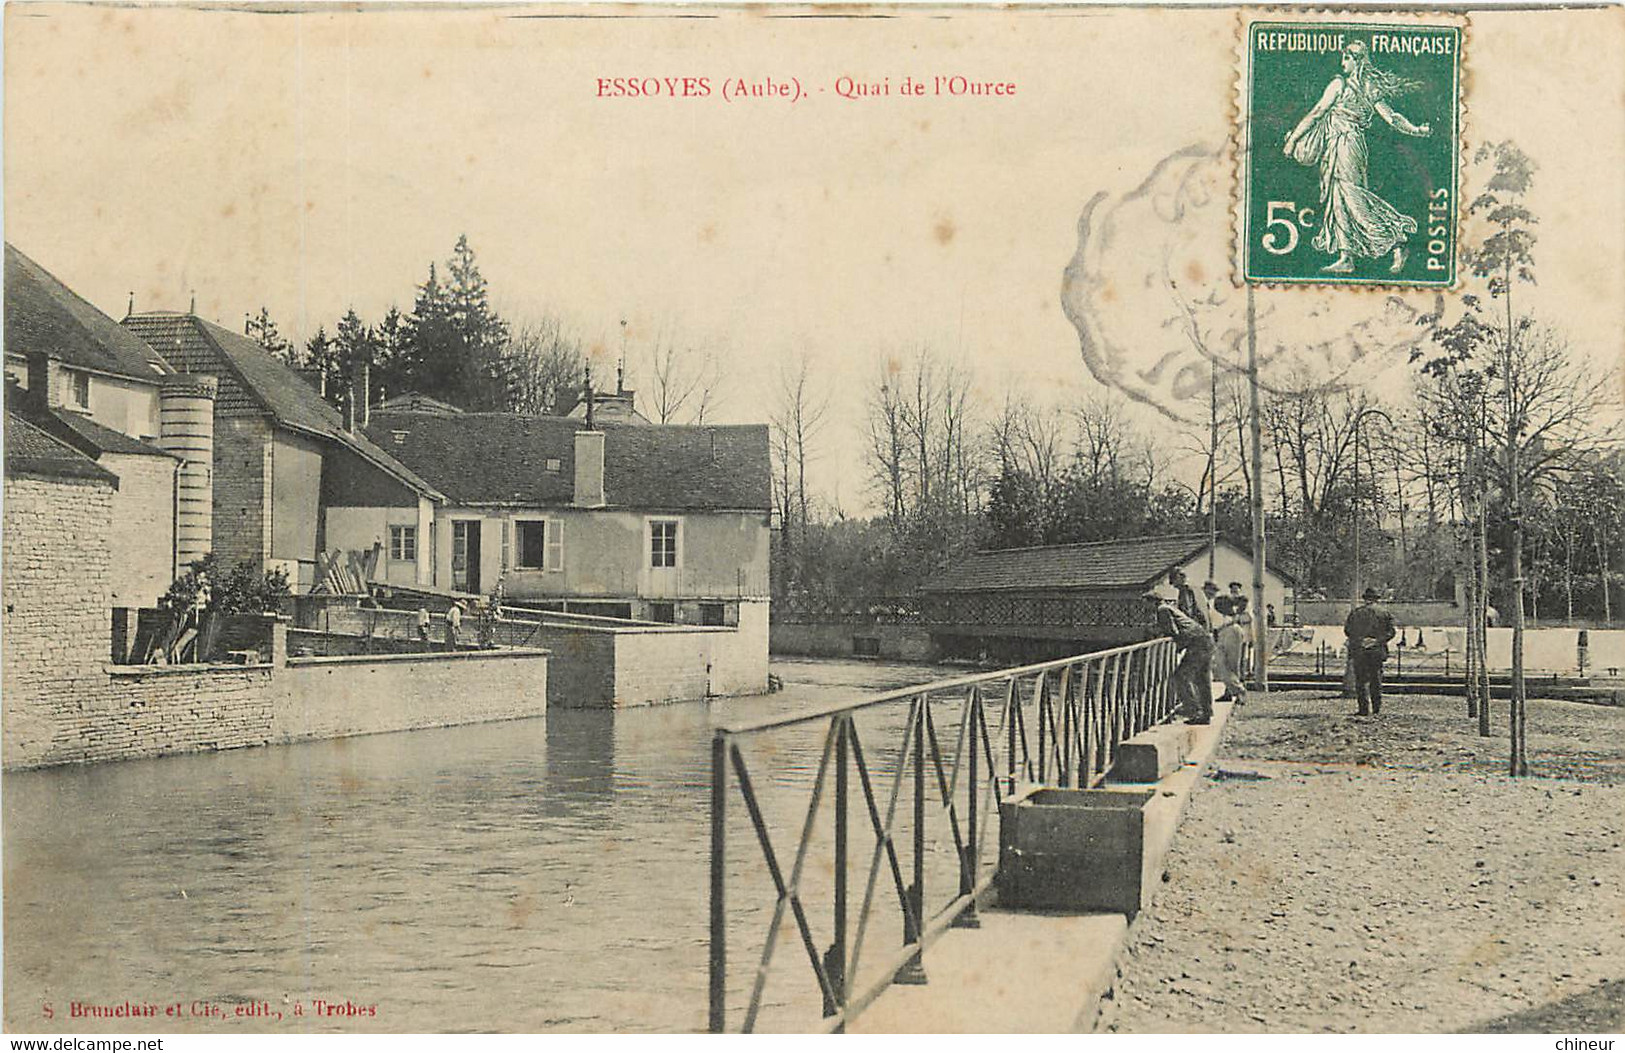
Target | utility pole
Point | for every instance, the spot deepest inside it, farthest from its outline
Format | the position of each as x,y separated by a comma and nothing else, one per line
1213,469
1260,637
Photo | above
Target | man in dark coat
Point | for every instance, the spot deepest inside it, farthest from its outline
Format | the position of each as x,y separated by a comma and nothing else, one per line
1186,599
1368,628
1193,686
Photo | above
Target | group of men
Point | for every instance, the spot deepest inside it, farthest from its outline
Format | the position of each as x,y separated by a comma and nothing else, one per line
1212,633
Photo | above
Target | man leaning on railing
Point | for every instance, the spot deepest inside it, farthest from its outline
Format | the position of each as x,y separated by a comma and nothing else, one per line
1193,686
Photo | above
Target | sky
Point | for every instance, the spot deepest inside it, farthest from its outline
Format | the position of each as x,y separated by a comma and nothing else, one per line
311,162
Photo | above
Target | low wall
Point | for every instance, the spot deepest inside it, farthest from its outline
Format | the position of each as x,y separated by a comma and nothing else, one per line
605,667
324,698
129,711
840,640
1423,612
146,711
307,643
1545,650
598,663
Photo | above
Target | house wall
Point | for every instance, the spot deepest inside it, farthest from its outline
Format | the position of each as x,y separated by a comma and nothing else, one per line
360,528
124,405
141,543
1231,564
296,493
723,555
57,628
242,490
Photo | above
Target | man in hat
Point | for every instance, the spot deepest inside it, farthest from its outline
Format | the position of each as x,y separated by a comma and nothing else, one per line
1192,686
454,622
1368,628
1232,643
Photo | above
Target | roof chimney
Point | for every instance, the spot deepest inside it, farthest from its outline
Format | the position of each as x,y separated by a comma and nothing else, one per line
44,379
589,488
366,393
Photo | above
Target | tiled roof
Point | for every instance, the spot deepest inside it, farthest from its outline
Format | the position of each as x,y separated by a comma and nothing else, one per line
252,379
42,314
1121,564
82,433
502,458
29,451
414,402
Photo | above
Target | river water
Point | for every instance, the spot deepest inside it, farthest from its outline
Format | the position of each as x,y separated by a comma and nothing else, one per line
533,875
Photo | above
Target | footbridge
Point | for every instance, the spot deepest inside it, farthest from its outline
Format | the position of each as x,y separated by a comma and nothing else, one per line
934,815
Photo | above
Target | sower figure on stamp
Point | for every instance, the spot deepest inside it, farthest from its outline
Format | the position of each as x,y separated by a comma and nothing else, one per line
1332,136
1368,628
1192,687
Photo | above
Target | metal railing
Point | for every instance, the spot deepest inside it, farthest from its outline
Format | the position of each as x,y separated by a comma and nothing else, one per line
1056,723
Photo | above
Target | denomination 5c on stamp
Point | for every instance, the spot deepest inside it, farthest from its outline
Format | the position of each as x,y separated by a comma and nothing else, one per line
1350,138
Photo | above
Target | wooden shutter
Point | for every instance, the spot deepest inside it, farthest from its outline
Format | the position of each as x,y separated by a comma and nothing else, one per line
555,544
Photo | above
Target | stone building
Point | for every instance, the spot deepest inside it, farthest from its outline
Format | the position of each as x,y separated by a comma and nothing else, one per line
58,516
284,459
1073,596
655,522
74,374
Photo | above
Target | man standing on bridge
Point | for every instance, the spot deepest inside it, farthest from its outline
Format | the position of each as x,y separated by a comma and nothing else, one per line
1368,628
1193,686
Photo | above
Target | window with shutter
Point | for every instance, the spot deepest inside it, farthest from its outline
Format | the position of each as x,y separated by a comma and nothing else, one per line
530,537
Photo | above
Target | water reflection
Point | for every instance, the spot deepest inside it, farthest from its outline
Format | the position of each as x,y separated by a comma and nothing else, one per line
523,876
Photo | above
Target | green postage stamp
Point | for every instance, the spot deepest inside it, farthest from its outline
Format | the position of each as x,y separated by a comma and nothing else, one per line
1350,138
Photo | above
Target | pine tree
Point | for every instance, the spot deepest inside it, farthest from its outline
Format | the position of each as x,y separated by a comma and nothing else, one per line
263,331
355,346
431,362
390,369
319,356
480,335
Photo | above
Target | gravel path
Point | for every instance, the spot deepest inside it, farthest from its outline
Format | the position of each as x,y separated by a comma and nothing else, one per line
1349,874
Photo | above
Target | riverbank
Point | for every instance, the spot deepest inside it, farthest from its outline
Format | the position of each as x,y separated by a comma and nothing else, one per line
1350,874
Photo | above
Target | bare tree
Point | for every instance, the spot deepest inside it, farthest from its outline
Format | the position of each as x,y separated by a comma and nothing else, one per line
798,417
546,365
887,442
921,419
681,382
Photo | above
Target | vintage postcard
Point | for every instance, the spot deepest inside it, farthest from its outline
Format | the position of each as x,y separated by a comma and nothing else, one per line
650,519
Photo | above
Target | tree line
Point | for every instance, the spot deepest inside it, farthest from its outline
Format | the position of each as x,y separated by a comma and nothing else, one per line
1492,475
453,345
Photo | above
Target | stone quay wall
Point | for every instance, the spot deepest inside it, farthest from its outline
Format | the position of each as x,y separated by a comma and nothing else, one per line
122,712
597,663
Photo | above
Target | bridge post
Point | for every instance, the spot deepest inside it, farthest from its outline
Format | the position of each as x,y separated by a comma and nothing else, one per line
967,865
717,1020
913,970
835,961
